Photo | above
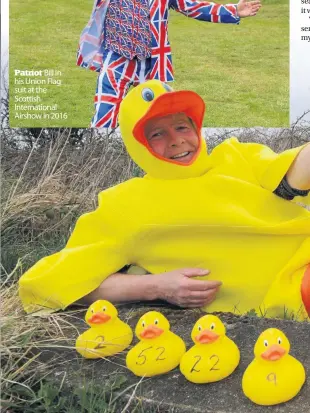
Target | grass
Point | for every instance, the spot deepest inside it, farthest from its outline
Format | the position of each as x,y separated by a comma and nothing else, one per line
235,69
242,72
47,188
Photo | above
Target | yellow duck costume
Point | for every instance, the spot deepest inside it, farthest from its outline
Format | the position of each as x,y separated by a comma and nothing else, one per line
108,335
214,356
158,351
218,212
274,376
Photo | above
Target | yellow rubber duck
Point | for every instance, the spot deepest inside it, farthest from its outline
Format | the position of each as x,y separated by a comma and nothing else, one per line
274,376
158,351
214,356
108,335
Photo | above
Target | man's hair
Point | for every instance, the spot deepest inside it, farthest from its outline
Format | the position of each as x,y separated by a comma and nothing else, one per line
193,124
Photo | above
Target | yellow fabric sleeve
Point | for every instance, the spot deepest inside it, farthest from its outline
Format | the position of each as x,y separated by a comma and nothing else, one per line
94,251
269,167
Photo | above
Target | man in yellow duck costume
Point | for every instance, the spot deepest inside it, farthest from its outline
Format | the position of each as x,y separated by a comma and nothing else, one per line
216,231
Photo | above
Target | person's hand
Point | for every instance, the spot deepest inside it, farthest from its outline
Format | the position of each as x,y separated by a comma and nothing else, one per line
178,287
248,8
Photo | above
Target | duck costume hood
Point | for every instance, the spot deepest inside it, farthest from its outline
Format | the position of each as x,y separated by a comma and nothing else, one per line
218,212
156,99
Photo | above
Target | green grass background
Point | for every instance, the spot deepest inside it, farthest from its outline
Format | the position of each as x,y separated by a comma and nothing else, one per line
242,72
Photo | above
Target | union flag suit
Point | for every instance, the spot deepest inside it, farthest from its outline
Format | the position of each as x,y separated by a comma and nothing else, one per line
117,73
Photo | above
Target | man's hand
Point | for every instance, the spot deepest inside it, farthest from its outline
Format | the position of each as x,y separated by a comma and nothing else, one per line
178,287
248,8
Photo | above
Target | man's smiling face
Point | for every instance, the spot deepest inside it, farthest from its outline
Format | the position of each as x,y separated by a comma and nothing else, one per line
173,137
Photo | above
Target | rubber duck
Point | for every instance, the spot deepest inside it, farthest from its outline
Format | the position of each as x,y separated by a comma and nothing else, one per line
214,212
159,349
214,356
108,335
273,376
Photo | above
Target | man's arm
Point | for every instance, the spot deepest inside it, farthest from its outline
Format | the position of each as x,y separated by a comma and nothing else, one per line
177,287
216,13
120,287
269,168
298,175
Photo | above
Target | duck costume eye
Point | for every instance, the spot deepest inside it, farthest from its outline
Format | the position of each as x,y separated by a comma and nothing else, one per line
148,94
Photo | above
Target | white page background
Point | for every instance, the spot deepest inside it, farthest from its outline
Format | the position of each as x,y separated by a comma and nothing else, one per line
299,62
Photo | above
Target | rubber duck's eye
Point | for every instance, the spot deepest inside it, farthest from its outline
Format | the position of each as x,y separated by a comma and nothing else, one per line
156,322
148,94
92,310
104,309
167,87
199,328
143,324
212,326
265,343
279,340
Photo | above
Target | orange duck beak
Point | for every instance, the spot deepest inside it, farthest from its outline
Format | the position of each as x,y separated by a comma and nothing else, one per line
99,318
206,337
274,353
151,332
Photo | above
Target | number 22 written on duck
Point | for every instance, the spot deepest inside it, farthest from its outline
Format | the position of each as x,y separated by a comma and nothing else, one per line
215,360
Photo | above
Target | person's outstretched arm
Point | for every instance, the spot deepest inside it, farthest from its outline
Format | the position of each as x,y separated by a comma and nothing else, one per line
177,287
280,173
298,176
216,13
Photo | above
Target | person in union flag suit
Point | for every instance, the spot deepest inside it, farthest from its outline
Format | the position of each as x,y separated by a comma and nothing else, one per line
127,43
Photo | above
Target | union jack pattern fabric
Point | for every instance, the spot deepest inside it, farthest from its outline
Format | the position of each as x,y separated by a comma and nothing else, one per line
117,73
114,80
127,28
92,42
211,12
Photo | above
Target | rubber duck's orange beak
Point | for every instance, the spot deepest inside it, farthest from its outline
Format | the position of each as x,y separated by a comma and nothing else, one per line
151,332
275,352
99,318
206,337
